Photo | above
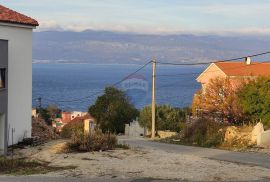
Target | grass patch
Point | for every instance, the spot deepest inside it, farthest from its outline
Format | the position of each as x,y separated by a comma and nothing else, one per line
123,146
27,167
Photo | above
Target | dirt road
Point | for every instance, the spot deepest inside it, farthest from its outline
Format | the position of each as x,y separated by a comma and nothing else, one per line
145,160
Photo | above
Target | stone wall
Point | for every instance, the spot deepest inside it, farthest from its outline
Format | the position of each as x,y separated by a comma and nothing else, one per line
134,129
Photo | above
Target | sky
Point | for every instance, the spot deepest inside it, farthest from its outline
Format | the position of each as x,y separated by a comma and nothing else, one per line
149,16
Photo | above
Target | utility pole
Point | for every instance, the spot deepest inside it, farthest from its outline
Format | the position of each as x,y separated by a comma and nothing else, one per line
154,100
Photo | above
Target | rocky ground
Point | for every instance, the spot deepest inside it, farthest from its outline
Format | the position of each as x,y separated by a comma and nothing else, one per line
142,163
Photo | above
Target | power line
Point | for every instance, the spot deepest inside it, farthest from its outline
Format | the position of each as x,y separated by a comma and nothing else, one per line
82,99
194,73
205,63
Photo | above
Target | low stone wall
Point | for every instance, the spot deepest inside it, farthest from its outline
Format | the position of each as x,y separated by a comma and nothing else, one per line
263,139
166,134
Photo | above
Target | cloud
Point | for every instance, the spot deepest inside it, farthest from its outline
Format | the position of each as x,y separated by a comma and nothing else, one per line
143,29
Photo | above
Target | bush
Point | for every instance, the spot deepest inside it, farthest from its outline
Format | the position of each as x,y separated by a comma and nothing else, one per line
255,100
69,129
167,117
96,141
205,133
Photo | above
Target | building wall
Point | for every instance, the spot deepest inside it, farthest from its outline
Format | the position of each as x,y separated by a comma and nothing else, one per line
211,72
19,80
75,114
66,117
3,97
134,129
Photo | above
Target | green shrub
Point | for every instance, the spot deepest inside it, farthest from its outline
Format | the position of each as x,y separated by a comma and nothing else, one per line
204,133
69,129
167,117
96,141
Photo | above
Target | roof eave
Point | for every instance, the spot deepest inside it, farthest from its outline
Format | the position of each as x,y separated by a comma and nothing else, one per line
22,25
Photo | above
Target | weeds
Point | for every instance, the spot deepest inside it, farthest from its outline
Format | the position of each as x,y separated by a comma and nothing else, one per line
96,141
123,146
26,167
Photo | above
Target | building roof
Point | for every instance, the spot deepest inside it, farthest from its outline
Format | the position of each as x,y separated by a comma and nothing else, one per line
9,16
243,69
79,119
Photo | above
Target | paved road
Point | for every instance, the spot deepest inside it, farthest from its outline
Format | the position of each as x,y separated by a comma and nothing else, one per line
63,179
253,159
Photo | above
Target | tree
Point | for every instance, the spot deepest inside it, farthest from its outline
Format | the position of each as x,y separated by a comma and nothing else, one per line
44,114
254,98
219,100
49,113
167,117
53,111
113,110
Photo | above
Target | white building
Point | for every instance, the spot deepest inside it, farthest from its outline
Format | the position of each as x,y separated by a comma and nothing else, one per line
15,76
75,114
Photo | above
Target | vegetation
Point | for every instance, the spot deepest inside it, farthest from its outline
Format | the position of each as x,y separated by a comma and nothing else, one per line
113,110
219,100
49,113
244,102
69,129
25,167
204,132
254,98
123,146
167,117
96,141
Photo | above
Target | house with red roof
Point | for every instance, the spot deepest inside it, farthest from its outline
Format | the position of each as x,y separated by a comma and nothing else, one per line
15,76
235,71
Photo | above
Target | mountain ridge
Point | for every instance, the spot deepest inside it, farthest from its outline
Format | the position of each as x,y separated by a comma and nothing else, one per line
117,47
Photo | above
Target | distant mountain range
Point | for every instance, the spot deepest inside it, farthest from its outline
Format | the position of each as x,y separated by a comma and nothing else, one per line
110,47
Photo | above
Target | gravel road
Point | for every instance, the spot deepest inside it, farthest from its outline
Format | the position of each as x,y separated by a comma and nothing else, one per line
253,159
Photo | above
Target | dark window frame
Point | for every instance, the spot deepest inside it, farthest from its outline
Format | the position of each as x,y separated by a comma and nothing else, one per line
2,78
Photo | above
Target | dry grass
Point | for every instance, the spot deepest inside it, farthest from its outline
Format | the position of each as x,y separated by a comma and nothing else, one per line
96,141
27,167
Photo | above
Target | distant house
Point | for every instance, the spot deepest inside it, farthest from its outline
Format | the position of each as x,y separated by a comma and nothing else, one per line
66,117
73,117
88,121
75,114
15,76
34,113
235,71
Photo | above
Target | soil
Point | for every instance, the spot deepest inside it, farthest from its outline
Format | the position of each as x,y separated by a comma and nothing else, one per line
141,163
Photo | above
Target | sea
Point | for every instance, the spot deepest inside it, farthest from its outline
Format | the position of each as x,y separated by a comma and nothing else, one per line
75,87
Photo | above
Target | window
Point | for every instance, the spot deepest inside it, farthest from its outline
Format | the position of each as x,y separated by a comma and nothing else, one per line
2,78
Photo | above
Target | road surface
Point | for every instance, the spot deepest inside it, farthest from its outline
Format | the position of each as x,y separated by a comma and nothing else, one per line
62,179
253,159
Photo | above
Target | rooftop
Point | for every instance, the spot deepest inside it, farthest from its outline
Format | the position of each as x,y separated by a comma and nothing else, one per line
243,69
9,16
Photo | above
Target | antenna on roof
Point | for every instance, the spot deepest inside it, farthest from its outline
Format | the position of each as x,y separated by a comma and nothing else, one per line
248,60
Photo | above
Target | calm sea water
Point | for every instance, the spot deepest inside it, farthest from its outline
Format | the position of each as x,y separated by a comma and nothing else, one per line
55,83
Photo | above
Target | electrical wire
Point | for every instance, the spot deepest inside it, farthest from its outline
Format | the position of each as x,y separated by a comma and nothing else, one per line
194,73
83,99
205,63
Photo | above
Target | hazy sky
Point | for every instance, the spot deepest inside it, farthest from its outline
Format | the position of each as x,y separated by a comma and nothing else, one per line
150,16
